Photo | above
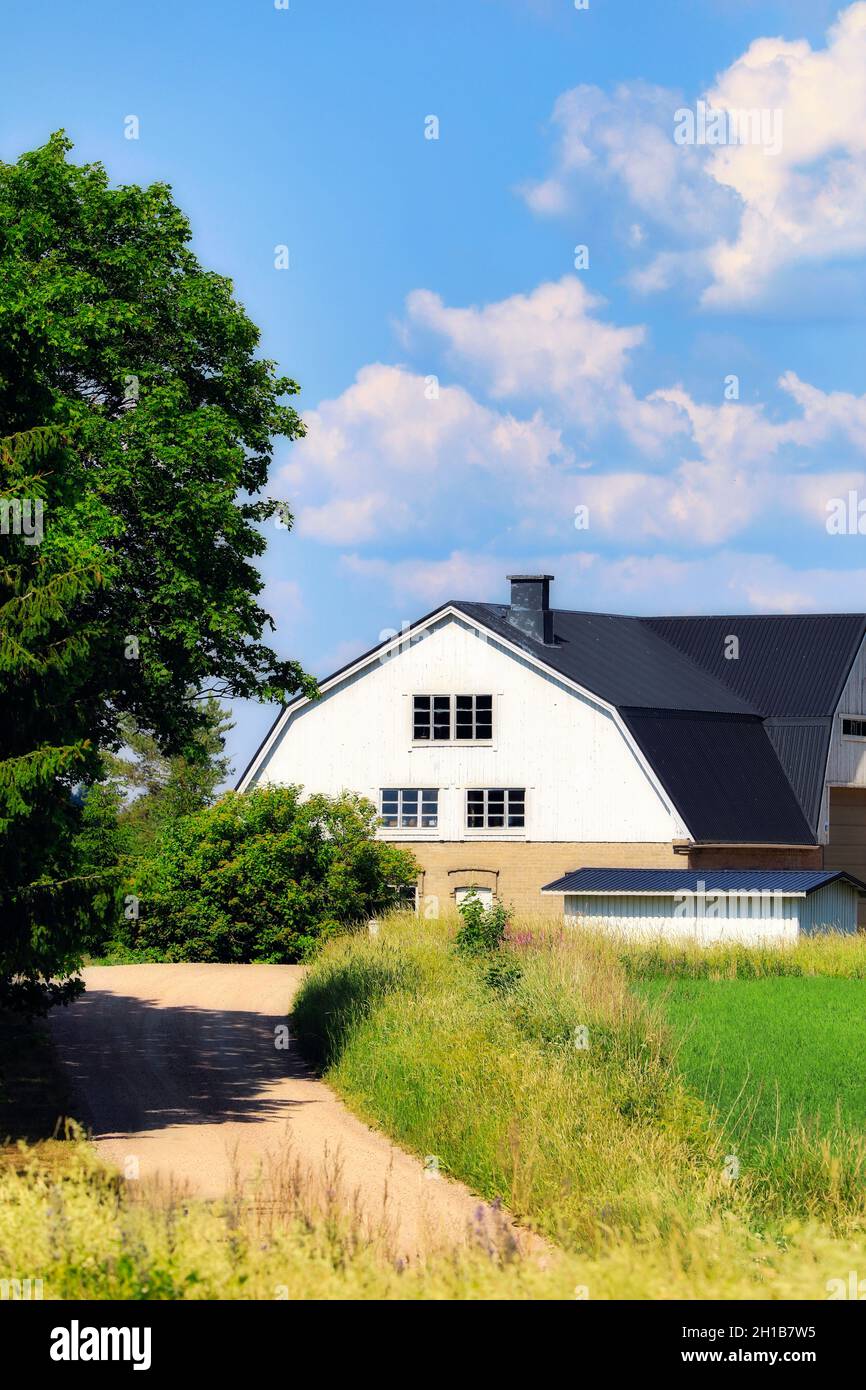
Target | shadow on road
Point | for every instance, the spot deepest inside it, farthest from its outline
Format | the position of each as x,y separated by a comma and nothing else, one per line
136,1064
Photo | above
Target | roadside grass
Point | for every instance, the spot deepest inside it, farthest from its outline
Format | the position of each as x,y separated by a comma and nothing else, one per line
87,1234
563,1092
565,1096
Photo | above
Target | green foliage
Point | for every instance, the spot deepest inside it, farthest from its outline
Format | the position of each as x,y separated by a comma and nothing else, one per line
265,876
481,929
134,409
101,849
163,788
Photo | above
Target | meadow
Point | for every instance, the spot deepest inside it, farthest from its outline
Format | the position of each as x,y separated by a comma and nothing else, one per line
569,1091
770,1055
595,1090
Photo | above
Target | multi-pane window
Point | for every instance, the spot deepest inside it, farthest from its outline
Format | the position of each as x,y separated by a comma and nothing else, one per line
431,718
496,808
854,728
473,716
410,808
443,718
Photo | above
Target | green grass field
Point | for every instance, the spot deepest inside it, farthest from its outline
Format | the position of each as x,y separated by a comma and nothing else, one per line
765,1053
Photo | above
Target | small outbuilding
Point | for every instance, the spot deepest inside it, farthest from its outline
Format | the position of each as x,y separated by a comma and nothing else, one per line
745,905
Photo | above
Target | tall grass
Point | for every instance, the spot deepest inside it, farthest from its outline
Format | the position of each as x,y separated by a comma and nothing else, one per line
837,954
86,1234
561,1095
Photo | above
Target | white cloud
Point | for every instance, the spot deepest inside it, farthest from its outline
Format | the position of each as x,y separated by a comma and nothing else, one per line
546,344
726,581
626,139
734,215
460,575
382,460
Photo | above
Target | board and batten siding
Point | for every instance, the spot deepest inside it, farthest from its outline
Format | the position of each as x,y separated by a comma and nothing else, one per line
833,907
846,760
746,918
583,779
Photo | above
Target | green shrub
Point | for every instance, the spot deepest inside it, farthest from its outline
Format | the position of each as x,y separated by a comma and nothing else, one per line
265,876
481,929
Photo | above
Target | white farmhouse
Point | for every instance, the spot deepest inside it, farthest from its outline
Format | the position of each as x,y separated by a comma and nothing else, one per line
513,744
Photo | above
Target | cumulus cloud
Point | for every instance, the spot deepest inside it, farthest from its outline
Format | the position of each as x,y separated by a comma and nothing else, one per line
394,455
543,344
398,454
734,215
457,575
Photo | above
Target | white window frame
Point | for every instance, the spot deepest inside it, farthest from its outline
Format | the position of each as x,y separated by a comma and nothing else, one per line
452,741
496,832
431,831
853,738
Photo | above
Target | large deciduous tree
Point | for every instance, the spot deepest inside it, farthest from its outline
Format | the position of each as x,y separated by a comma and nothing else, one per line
137,423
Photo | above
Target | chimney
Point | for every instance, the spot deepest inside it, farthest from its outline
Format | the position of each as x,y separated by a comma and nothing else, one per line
530,606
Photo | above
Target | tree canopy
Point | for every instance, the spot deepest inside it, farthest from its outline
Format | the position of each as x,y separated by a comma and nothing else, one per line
136,412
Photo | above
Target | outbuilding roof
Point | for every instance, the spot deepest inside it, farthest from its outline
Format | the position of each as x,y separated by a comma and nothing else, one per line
604,882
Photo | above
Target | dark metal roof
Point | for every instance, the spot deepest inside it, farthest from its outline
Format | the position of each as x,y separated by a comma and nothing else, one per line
722,774
789,665
802,746
729,782
636,882
619,659
740,745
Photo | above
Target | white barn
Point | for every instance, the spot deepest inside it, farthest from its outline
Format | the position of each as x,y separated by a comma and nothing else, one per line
509,744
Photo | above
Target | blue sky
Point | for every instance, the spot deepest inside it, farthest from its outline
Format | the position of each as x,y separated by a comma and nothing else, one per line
465,385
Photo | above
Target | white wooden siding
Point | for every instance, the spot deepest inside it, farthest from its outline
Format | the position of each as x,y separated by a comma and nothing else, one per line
583,779
653,917
747,918
833,907
846,762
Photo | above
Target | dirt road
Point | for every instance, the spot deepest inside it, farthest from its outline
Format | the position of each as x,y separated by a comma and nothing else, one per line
176,1071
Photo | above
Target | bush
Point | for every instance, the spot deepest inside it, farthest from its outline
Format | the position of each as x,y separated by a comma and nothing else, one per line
481,929
265,876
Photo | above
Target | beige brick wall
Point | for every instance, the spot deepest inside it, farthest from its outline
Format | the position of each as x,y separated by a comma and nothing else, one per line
516,871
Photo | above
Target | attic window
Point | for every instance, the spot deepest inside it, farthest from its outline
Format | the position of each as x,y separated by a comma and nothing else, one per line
452,718
854,728
473,716
431,718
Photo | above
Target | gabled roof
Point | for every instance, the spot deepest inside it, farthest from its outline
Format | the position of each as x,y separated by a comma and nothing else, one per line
666,882
739,745
730,780
620,659
789,666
